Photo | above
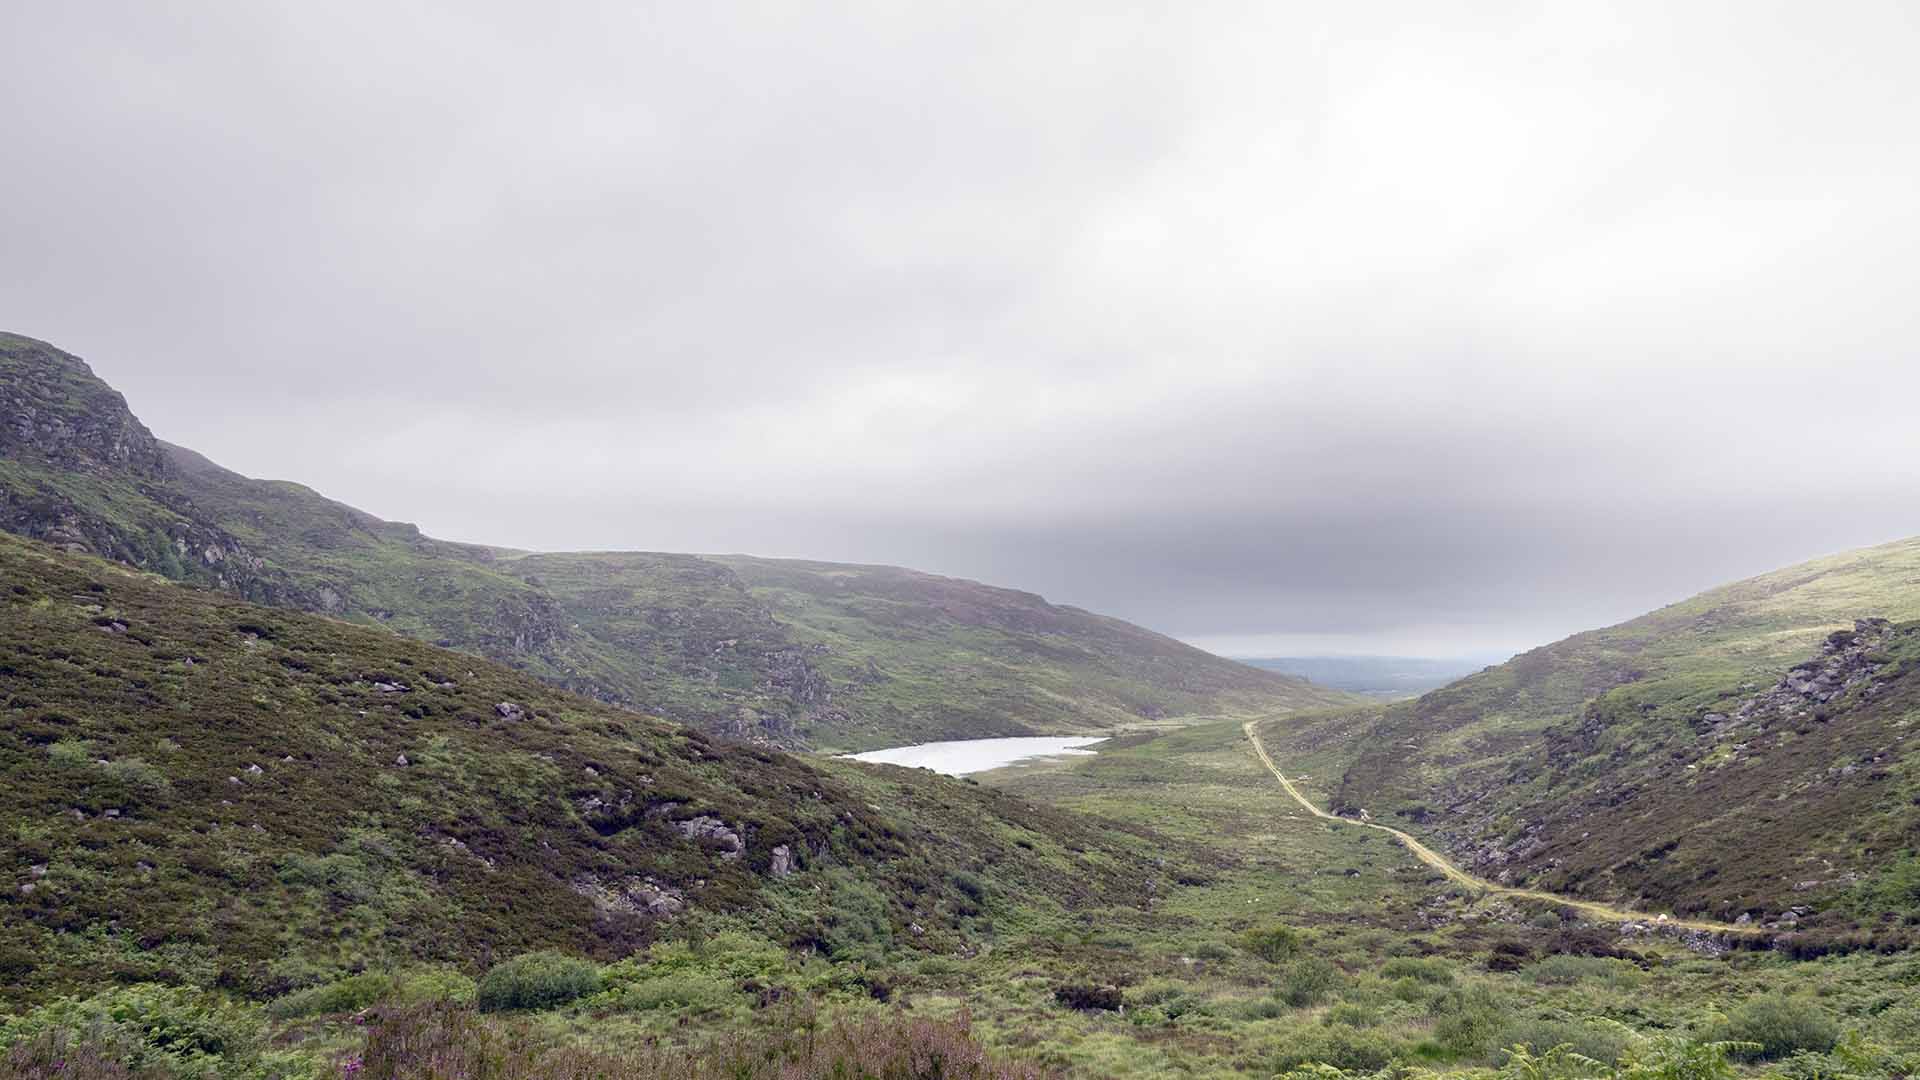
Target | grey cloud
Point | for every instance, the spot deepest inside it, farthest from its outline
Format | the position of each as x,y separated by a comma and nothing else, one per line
1436,327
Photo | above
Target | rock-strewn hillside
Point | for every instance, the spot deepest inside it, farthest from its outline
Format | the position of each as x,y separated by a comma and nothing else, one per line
791,653
205,790
1752,751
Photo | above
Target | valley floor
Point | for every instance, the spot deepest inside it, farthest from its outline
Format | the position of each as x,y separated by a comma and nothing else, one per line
1287,940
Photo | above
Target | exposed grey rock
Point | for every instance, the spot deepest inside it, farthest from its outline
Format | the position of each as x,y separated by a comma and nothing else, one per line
391,687
633,896
402,761
782,865
708,828
510,711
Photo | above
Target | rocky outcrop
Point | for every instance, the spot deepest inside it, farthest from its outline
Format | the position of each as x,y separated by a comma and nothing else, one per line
1847,660
54,409
636,896
713,832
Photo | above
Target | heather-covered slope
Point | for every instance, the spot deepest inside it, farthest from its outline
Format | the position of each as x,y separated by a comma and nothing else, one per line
1676,756
201,789
798,654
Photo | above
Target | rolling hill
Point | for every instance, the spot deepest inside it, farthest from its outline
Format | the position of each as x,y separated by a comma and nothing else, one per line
205,790
1748,752
790,653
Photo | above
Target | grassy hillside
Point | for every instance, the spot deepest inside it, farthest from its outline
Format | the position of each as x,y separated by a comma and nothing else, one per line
931,656
200,789
796,654
1671,757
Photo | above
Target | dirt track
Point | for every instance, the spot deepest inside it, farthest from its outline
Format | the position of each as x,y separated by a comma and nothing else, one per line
1439,862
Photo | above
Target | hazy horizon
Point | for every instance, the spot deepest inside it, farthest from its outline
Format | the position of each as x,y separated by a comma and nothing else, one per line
1394,331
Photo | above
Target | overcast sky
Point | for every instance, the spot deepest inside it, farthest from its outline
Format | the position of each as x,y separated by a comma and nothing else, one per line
1424,327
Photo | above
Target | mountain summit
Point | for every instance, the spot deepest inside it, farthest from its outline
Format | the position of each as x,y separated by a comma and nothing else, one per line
795,653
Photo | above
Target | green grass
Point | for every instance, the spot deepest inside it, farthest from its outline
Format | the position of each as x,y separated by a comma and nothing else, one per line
800,654
1593,767
200,790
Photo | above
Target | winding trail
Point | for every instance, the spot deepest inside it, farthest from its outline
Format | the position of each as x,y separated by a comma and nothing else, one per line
1603,912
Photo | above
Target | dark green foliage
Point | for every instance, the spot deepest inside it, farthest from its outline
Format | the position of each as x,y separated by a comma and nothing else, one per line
1343,1047
1088,997
145,1030
1466,1021
540,980
794,653
1580,760
1306,980
214,793
350,994
439,1042
1781,1025
1273,943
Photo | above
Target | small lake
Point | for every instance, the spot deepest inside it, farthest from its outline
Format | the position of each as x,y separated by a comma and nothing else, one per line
965,756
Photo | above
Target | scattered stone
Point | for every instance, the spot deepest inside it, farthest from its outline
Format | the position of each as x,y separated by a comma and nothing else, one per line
27,889
37,871
233,780
113,813
634,896
401,760
391,687
255,770
510,711
706,827
782,865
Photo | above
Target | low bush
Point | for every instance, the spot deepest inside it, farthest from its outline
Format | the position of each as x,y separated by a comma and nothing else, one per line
1273,944
1430,970
1087,997
444,1042
350,994
678,991
1306,981
1568,970
143,1030
1780,1026
1541,1036
541,980
1466,1021
1336,1045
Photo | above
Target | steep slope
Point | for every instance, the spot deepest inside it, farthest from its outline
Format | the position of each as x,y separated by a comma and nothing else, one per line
202,789
1677,757
845,657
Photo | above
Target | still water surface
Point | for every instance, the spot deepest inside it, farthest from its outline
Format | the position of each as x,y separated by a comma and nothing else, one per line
978,755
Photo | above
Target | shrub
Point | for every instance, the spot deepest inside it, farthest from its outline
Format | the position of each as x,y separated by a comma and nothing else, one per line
1596,1041
1087,997
1780,1025
350,994
680,990
1676,1057
1274,943
541,980
1353,1014
1306,981
1565,970
1337,1045
1428,970
143,1030
860,927
1465,1021
443,1042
